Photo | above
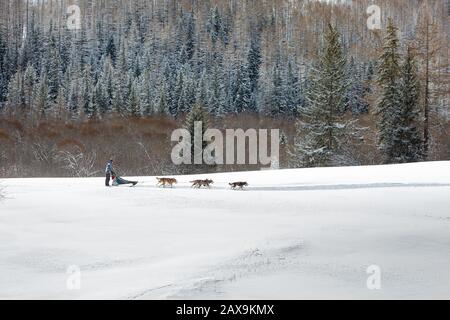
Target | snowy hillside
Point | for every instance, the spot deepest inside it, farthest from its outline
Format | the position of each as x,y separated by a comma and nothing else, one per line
291,234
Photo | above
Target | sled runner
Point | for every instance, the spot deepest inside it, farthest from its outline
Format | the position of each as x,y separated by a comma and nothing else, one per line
117,181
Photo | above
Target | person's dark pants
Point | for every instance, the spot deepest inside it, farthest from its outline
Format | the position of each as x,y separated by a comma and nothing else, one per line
108,177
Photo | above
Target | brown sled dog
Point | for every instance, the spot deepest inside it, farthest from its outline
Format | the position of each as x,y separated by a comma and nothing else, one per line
166,181
239,185
202,183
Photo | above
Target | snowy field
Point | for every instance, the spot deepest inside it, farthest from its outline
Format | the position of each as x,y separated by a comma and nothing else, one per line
292,234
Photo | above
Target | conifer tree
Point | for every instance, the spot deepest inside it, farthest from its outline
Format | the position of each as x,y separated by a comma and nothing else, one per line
84,100
42,95
215,101
242,93
177,95
277,99
82,48
53,72
355,95
145,93
99,99
190,37
3,90
163,105
407,139
121,82
16,90
292,90
389,102
30,80
189,95
111,50
321,131
215,25
254,61
107,86
197,114
74,97
201,94
133,104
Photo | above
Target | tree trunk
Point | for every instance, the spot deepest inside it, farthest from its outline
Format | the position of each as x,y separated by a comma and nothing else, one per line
426,105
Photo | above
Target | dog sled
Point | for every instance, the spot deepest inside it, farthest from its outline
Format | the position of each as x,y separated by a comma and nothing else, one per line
118,181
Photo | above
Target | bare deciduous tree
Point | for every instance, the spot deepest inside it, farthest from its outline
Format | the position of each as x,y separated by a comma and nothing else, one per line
78,163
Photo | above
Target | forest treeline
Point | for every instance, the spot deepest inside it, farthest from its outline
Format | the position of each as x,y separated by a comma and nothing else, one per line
311,68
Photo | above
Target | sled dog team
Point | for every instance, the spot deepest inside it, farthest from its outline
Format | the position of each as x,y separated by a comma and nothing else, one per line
163,182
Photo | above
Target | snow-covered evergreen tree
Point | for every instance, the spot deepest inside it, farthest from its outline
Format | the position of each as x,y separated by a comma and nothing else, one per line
189,91
321,131
41,100
121,82
201,92
277,99
81,48
29,83
111,50
407,140
293,93
85,101
197,114
254,61
214,26
242,93
162,106
389,102
16,90
190,41
99,99
216,101
3,89
106,86
177,95
133,103
73,99
52,68
355,95
145,93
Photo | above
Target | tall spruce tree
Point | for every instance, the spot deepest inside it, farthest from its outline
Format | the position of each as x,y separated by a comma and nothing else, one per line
111,50
145,93
29,82
201,91
162,106
86,91
241,91
216,103
41,100
106,83
407,139
254,61
133,103
293,91
321,131
197,114
74,97
277,99
389,102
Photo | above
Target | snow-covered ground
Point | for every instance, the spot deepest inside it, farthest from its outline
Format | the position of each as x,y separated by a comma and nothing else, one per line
292,234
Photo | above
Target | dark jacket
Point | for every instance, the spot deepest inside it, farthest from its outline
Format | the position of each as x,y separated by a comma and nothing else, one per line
109,168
